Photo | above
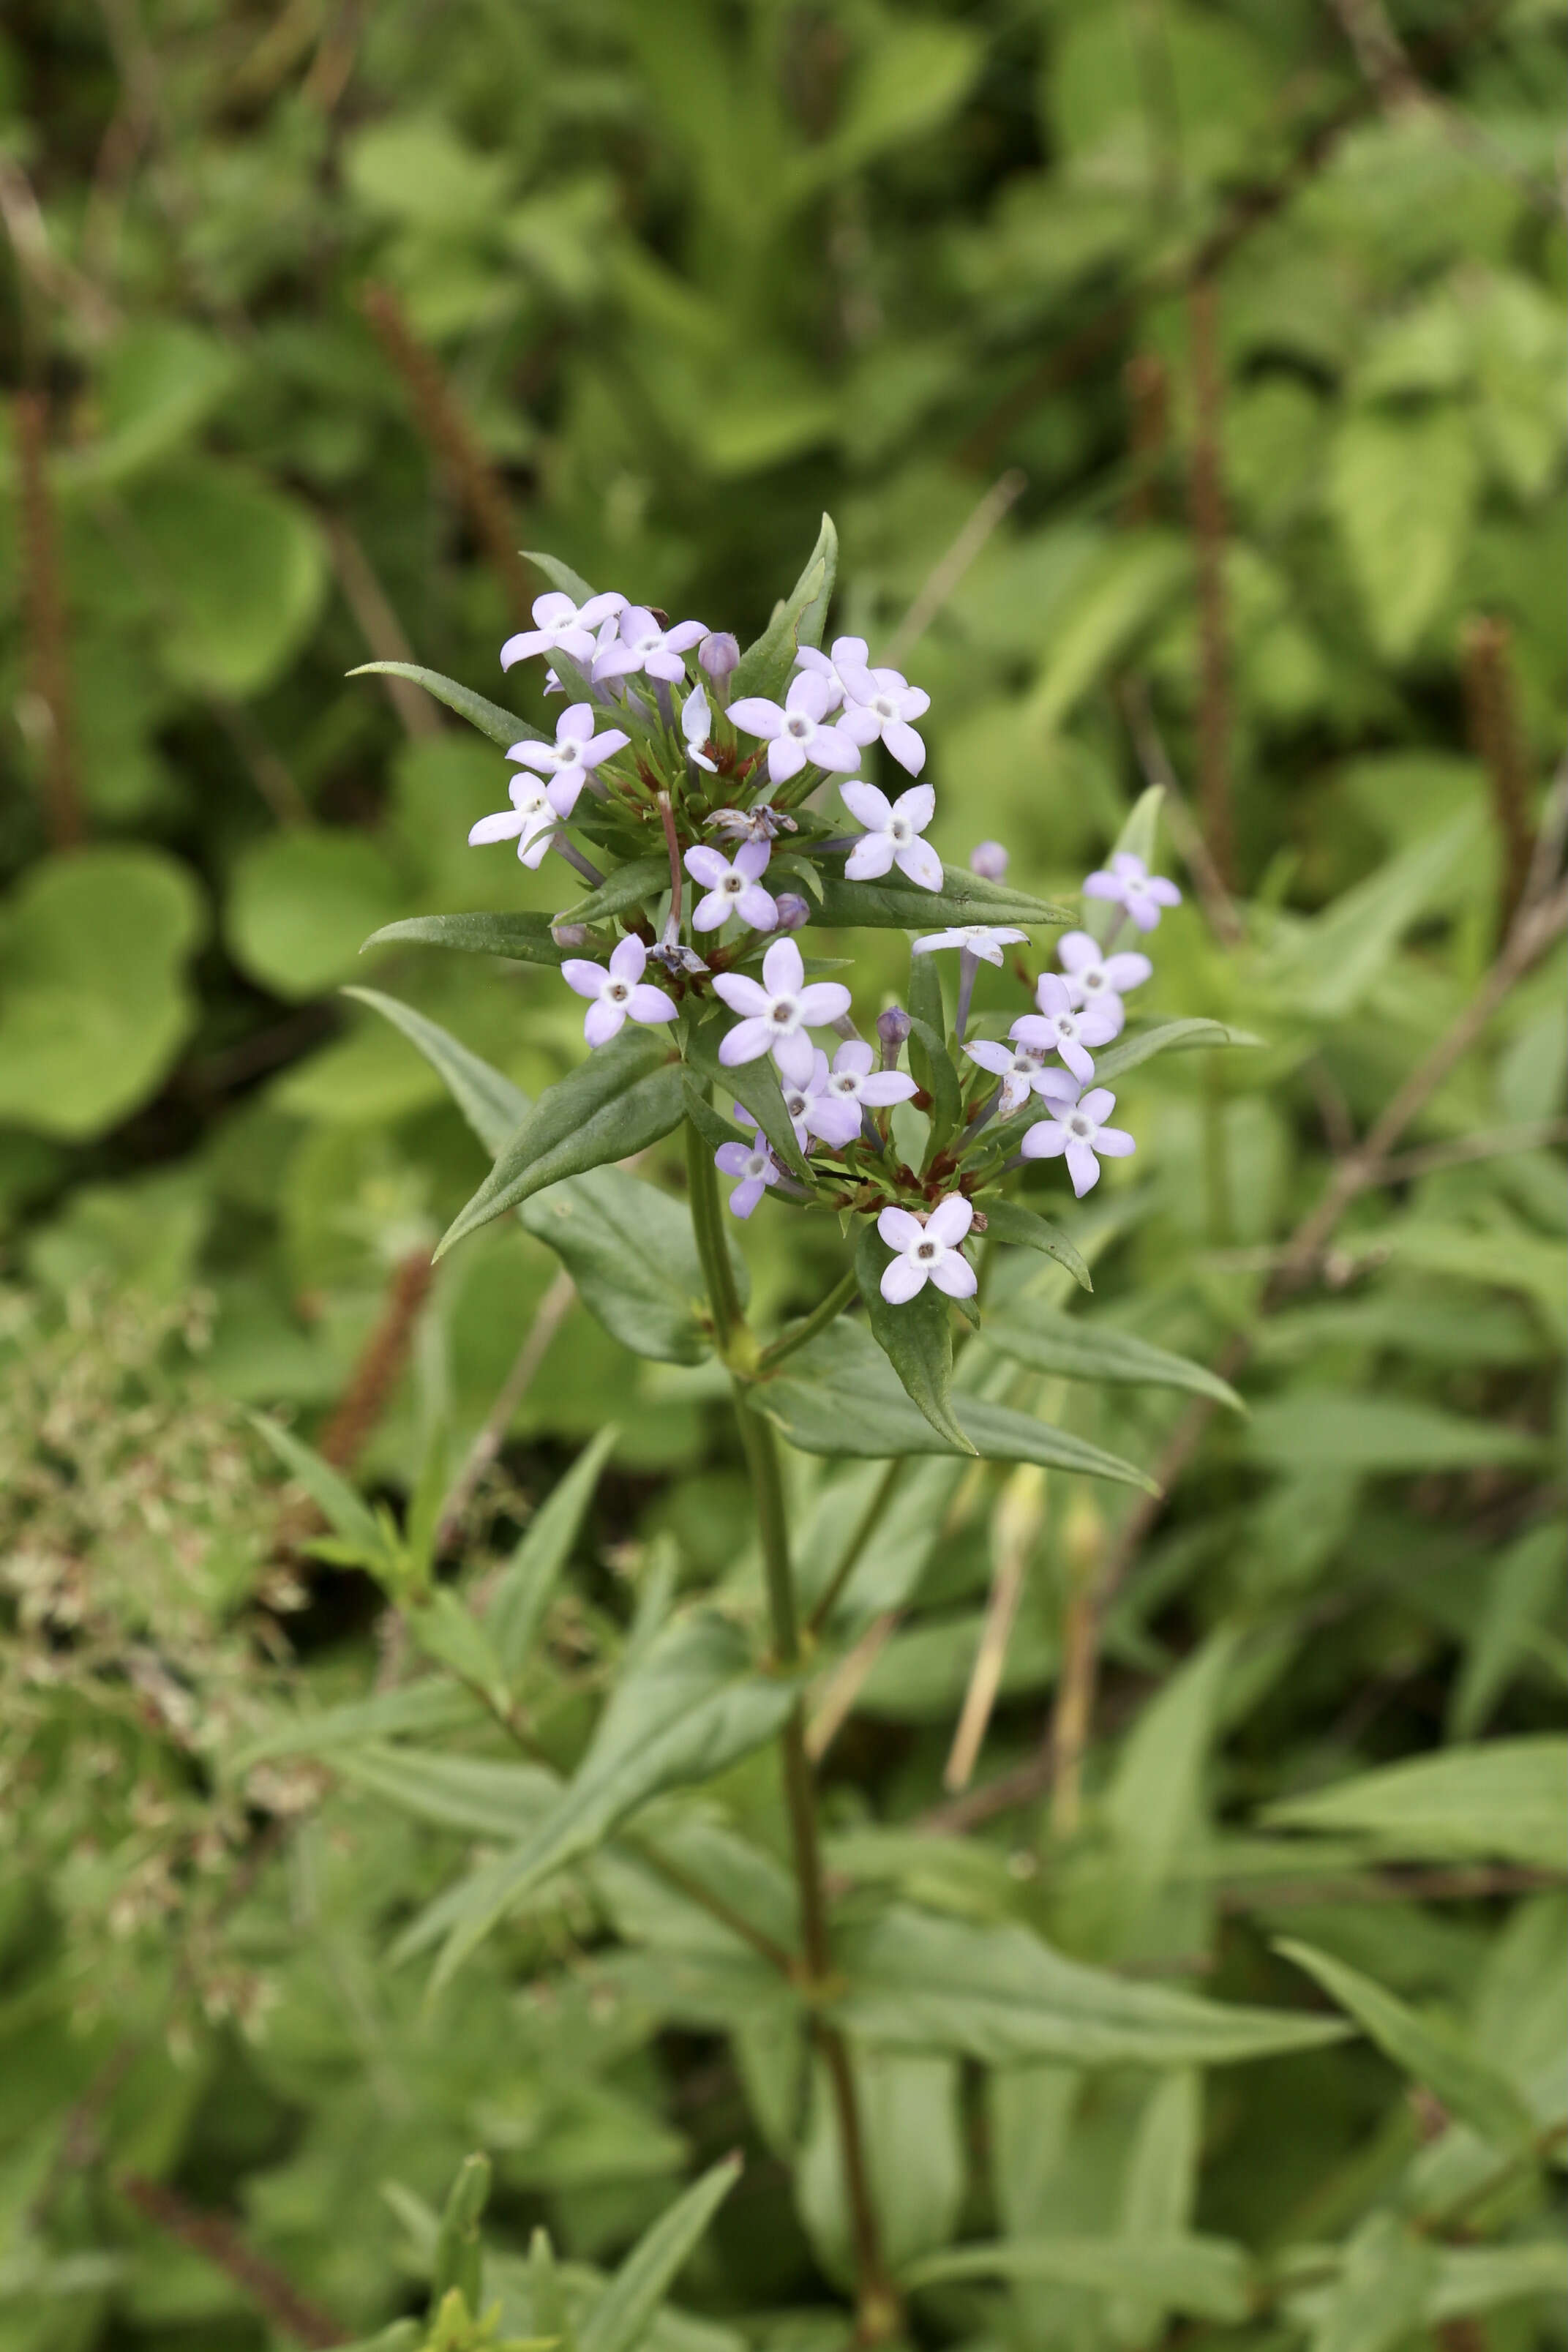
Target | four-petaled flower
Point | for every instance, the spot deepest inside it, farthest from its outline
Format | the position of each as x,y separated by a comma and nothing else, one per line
883,702
1079,1133
928,1252
562,626
795,730
754,1165
800,1094
620,994
1023,1071
833,668
642,643
1097,979
530,819
984,940
1131,886
732,888
892,835
835,1112
566,760
1058,1026
777,1011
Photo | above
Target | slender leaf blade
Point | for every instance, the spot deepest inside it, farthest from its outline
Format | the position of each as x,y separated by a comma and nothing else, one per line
503,726
618,2320
1016,1227
1048,1340
523,939
917,1337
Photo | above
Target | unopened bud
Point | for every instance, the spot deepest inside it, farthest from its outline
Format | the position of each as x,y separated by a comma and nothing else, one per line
989,859
719,655
793,912
893,1027
569,935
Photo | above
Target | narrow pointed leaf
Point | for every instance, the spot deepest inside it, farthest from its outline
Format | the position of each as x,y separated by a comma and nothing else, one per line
560,576
470,1795
1102,917
1016,1227
503,726
1206,2278
1508,1798
931,1067
755,1083
493,1106
525,939
619,2321
1048,1340
523,1590
1130,1051
916,1339
342,1508
623,1098
432,1707
766,666
894,903
628,886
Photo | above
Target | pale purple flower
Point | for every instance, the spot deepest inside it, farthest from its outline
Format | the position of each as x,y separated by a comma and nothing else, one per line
928,1252
566,760
1023,1071
620,994
1058,1026
883,702
777,1011
835,1115
754,1165
990,860
640,644
832,668
732,888
1096,979
530,820
1131,886
984,940
892,835
800,1096
719,655
562,626
795,730
696,725
1078,1133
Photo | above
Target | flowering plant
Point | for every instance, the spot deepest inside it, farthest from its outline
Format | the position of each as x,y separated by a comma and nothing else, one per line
691,787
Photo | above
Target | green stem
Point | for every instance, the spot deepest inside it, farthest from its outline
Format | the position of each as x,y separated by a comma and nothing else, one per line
826,1311
849,1559
724,1300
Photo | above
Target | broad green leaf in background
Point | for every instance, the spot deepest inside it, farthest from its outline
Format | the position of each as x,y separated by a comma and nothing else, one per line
618,2320
1523,1590
1437,2056
623,1098
1127,590
235,569
502,725
1471,2279
916,74
1131,1050
1326,967
914,2154
1401,491
1153,1804
1204,2278
692,1707
432,1707
917,1337
94,1003
469,1795
1382,2291
161,379
1160,2190
300,903
839,1395
1076,1348
1000,1994
521,1593
1324,1429
931,1067
1508,1800
526,939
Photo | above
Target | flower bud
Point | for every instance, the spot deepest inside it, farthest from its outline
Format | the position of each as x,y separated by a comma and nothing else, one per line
989,859
793,912
893,1027
719,655
569,935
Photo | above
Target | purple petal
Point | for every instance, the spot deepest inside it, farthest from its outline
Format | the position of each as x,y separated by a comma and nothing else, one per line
870,858
575,724
811,694
782,970
898,1229
1163,893
861,726
601,747
603,1022
1115,1143
707,866
599,608
499,827
711,913
1081,1064
746,1042
824,1001
1130,867
917,702
904,745
854,1055
1102,886
1145,913
751,860
564,791
950,1220
837,1121
684,634
663,663
1099,1024
1098,1104
793,1054
1128,970
587,978
885,1086
745,1197
741,993
989,1056
756,716
902,1278
953,1274
922,865
1082,1166
1046,1140
832,747
650,1004
1075,950
756,906
917,806
730,1159
868,805
518,648
786,758
553,607
1053,996
1032,1029
534,755
628,959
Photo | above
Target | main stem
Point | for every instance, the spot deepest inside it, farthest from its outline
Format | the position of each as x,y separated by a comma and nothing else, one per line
877,2303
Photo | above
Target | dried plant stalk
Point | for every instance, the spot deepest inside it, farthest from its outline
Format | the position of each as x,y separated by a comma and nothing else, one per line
1492,703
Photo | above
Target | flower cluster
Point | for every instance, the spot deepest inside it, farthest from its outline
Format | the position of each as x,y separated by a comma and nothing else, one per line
656,758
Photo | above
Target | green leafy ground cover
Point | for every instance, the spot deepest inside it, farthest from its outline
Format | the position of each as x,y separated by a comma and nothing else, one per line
1185,382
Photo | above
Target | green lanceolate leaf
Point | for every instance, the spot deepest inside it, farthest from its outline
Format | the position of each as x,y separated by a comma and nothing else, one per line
691,1707
1508,1800
924,999
1016,1227
345,1513
931,1067
618,2320
1205,2278
526,939
446,1630
493,1106
469,1795
755,1083
1048,1340
623,1098
1141,1045
1102,917
503,726
899,905
714,1128
1452,2069
1480,2278
1381,2292
522,1591
1000,1994
764,668
839,1395
916,1339
628,886
459,2257
432,1707
560,576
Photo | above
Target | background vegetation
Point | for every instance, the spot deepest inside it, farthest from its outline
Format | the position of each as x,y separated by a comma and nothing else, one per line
1184,377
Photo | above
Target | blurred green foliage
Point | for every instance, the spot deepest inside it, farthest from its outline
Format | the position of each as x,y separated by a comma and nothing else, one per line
1248,327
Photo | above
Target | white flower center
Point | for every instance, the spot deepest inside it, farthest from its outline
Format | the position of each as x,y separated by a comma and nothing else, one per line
733,883
900,830
616,992
794,1104
926,1250
1091,980
1066,1026
882,705
846,1084
784,1012
1080,1127
755,1164
799,727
